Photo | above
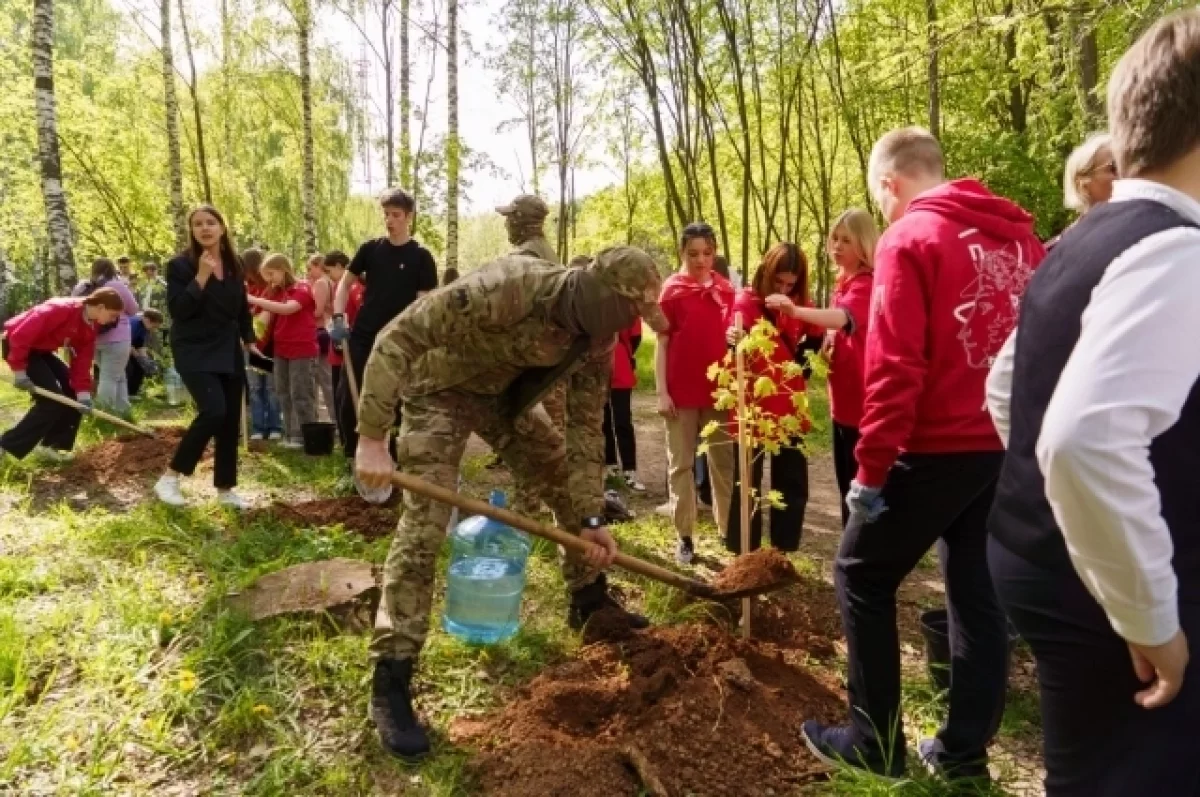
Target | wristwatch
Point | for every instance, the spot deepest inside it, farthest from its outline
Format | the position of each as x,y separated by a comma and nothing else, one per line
593,522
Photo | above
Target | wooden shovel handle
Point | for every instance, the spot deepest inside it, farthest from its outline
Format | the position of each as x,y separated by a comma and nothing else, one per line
567,540
104,416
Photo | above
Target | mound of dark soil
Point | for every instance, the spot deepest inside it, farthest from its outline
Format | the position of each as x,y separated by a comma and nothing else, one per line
754,570
686,710
128,461
352,512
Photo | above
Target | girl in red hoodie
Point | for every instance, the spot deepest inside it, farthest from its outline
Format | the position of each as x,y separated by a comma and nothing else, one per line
30,342
783,273
619,438
294,336
696,302
851,246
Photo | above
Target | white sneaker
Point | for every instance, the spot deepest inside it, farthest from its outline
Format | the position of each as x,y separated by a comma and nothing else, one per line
232,500
54,455
664,510
167,490
631,480
256,436
292,445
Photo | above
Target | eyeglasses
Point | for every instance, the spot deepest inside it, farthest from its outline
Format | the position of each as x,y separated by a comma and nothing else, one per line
1103,168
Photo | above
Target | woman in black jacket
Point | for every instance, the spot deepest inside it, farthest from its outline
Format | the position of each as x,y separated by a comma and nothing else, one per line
206,295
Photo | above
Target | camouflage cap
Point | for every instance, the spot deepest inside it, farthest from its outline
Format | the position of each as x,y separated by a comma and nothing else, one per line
527,206
632,273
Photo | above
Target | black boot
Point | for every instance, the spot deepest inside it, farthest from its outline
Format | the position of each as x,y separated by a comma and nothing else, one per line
392,710
590,599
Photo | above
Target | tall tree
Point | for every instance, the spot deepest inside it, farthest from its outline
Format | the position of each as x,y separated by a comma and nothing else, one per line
308,191
171,110
54,197
406,152
562,64
453,150
197,112
520,79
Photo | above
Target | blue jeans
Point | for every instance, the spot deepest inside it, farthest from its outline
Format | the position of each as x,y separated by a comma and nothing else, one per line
265,417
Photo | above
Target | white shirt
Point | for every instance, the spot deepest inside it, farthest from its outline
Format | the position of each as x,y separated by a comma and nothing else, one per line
1125,384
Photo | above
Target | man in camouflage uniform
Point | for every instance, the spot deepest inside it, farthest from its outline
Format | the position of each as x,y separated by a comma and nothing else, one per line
476,357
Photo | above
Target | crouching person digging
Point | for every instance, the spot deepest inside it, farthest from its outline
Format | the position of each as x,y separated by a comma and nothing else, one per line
477,356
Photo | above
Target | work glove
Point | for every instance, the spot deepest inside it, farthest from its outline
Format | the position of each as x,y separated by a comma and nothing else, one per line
21,381
86,400
865,503
339,331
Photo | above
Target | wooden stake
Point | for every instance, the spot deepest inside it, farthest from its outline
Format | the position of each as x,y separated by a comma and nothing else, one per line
743,460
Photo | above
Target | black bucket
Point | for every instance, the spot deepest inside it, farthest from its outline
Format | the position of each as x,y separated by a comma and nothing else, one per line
318,438
935,628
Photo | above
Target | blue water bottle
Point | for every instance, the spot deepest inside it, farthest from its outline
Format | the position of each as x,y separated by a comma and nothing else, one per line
485,579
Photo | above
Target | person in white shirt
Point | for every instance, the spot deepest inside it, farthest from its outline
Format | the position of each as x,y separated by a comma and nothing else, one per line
1095,547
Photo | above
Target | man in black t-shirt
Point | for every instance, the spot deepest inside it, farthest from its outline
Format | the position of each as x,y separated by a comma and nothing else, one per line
395,271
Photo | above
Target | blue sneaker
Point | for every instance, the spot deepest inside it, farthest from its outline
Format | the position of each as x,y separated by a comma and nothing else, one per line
838,747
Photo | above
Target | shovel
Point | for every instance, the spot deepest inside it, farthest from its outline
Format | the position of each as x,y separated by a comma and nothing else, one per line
104,416
571,542
379,496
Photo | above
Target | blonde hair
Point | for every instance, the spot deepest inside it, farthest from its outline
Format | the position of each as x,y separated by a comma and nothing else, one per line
1080,165
279,262
860,226
911,151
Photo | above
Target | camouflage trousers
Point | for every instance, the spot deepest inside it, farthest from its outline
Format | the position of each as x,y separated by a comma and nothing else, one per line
433,437
525,498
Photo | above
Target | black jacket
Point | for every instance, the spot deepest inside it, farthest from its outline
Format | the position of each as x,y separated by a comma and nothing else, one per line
208,325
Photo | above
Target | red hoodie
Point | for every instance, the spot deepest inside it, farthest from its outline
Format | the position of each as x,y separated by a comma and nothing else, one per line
698,315
949,276
853,295
47,328
624,372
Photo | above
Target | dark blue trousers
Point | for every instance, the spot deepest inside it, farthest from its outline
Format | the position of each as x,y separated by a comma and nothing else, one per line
931,498
1098,742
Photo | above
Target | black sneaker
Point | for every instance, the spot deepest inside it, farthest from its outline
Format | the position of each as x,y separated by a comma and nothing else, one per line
590,599
392,710
934,758
838,747
685,551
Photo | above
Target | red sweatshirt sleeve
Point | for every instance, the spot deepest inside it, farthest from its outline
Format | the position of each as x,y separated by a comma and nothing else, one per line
25,334
896,362
81,363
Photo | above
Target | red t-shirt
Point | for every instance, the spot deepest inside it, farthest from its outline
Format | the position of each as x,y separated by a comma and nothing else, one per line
353,305
624,372
849,348
295,335
698,315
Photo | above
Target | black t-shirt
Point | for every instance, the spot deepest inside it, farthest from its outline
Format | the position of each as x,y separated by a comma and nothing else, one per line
392,275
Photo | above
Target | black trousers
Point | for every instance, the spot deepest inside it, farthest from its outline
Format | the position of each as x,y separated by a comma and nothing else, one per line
619,438
218,400
47,423
360,350
1098,742
942,498
135,375
789,476
845,466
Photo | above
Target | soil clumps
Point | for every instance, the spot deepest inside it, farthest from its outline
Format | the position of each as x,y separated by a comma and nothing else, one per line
352,512
755,570
682,710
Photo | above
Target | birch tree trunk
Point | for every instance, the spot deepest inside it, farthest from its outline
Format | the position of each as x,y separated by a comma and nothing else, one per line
58,221
197,113
406,166
171,106
308,189
452,143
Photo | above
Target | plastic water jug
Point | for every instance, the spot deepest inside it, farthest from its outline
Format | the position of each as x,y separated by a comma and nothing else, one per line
174,385
485,579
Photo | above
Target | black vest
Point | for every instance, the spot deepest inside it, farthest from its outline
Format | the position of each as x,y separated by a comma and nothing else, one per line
1049,328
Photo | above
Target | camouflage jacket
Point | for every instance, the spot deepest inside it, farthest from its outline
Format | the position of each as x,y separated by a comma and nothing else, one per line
538,247
482,335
